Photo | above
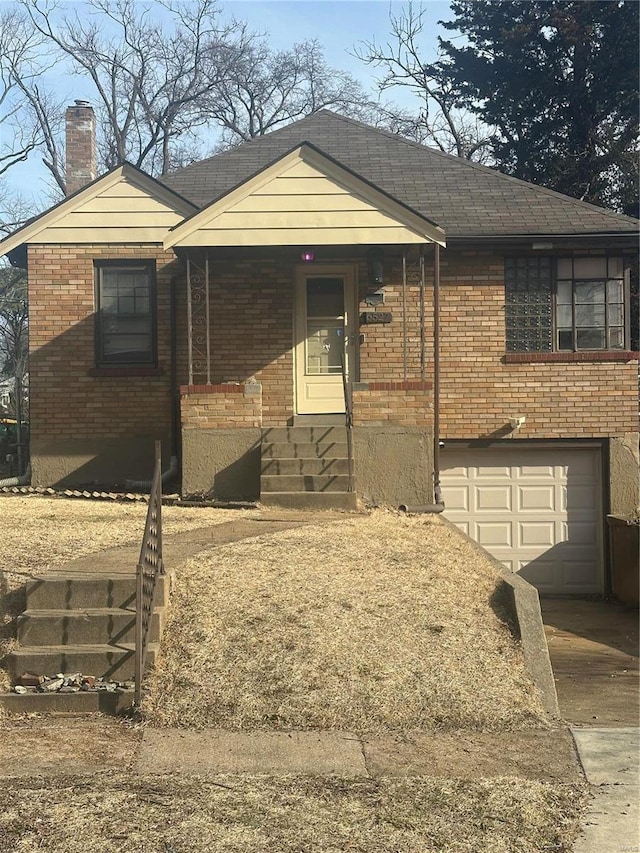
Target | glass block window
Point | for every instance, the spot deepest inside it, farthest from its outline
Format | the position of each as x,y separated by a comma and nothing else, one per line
528,309
570,304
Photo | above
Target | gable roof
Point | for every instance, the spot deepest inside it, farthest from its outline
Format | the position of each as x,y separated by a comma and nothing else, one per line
465,199
125,205
304,197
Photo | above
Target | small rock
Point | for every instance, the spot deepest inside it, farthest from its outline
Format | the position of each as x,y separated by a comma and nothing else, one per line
69,688
88,681
20,689
52,685
72,679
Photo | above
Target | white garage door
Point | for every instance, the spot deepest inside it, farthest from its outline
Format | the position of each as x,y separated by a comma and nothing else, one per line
537,510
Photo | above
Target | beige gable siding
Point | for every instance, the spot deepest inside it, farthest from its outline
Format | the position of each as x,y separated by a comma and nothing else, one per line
120,213
302,205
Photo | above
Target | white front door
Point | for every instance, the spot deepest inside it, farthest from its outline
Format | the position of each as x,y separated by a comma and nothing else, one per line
325,309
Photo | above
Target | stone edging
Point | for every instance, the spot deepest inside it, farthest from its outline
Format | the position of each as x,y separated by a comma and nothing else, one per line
523,604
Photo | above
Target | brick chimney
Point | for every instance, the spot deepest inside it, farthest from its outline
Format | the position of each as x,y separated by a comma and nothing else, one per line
80,123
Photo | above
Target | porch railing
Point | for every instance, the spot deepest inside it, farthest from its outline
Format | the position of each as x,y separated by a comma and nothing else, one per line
348,409
149,569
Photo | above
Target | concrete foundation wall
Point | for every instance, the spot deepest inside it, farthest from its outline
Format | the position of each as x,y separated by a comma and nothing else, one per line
624,474
223,463
66,463
393,464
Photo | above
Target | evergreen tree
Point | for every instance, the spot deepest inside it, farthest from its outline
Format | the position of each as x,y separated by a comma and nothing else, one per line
558,80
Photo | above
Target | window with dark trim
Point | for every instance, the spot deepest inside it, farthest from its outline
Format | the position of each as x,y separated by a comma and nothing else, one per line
567,304
125,313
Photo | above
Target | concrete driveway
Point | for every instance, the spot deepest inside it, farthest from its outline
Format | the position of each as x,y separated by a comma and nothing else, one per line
593,646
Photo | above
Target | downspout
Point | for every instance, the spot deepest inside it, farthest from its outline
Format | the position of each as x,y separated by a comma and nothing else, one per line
173,468
22,480
175,390
438,505
437,492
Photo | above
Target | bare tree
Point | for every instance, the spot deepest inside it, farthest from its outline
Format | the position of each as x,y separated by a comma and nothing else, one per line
163,78
149,77
268,89
17,137
440,120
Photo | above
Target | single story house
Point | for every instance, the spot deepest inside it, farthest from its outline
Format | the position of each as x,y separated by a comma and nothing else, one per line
329,312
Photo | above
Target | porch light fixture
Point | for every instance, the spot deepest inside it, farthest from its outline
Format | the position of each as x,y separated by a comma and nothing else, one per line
307,256
375,264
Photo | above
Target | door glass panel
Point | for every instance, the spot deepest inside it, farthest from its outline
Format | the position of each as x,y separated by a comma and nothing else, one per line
325,297
324,345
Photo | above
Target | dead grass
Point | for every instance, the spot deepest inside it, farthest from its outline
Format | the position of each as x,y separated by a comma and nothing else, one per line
372,624
114,813
39,532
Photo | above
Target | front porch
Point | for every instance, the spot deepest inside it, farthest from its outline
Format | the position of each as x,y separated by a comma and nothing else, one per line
309,295
228,450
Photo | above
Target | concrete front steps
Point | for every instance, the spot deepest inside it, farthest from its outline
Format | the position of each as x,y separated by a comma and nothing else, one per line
80,623
306,467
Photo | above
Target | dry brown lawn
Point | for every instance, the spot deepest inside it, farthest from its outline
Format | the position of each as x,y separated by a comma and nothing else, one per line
115,813
370,624
380,623
39,533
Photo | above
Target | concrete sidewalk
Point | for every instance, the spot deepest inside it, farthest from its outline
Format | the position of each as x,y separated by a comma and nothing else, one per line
610,758
546,755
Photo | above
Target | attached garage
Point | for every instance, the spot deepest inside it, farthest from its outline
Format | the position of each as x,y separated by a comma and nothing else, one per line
536,509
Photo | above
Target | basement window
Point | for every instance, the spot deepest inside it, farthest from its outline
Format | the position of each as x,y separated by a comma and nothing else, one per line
125,313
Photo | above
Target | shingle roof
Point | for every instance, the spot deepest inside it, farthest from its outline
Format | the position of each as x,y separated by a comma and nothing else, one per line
464,198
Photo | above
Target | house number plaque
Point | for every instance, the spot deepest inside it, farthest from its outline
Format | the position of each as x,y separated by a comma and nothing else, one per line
368,318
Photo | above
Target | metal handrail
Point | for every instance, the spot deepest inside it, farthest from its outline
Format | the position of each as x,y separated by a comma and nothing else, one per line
150,567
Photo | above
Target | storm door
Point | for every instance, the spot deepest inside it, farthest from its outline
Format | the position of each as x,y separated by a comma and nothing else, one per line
324,334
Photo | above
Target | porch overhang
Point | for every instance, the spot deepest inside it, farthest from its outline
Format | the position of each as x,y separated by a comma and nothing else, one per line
304,198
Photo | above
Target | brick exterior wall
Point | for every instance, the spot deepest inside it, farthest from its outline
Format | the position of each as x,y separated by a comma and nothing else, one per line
222,406
401,403
388,348
252,330
66,400
481,389
561,396
252,318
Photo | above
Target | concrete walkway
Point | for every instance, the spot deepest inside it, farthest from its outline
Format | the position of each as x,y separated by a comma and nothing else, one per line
179,547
